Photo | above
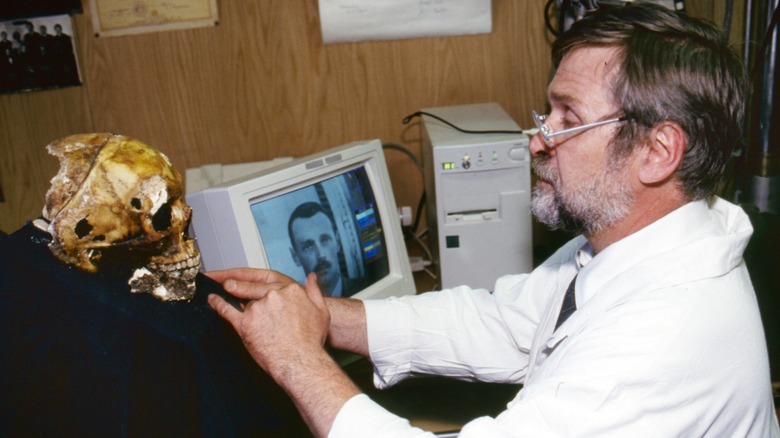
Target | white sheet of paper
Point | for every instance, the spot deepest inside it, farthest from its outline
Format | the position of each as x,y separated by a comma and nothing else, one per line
360,20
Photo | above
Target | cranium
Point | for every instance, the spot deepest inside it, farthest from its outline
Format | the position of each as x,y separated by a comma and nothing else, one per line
115,198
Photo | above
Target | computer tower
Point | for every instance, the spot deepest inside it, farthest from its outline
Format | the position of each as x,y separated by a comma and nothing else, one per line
478,195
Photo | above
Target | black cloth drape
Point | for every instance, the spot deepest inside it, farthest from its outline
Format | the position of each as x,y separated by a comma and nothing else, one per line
82,356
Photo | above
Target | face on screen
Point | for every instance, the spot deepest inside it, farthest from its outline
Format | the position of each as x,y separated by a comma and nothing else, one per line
330,227
316,248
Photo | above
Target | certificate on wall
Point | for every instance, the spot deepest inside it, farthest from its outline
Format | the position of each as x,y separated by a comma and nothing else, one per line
360,20
125,17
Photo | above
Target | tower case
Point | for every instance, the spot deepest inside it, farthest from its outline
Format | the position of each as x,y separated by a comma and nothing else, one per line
478,203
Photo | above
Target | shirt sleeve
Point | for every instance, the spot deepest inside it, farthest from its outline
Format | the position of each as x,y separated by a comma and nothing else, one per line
360,416
460,333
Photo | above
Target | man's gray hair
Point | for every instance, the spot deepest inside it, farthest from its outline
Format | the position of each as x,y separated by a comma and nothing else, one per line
672,68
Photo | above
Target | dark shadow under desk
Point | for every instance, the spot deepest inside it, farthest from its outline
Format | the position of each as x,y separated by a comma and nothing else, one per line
436,404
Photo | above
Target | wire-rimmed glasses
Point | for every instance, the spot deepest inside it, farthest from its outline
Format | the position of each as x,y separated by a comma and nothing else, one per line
548,134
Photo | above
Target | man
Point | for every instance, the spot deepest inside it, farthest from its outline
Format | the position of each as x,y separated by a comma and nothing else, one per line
5,47
315,246
645,325
5,60
32,43
64,57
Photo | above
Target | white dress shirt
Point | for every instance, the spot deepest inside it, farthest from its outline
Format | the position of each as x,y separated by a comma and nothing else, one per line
666,340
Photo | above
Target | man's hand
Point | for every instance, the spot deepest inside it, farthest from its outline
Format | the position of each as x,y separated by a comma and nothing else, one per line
347,316
250,283
280,319
284,327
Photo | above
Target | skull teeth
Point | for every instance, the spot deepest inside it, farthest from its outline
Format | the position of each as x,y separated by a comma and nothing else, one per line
188,268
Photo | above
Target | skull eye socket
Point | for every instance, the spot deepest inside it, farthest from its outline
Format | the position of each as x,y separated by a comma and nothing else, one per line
162,219
136,203
83,227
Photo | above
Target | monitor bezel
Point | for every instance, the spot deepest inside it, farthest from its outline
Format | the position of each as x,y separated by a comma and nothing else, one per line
224,226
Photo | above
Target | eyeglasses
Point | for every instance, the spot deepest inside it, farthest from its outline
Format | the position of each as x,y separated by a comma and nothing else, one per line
547,132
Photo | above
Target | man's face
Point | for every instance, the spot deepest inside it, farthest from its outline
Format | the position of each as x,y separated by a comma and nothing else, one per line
316,248
581,188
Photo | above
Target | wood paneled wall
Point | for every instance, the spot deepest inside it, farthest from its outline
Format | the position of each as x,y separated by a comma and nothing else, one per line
261,84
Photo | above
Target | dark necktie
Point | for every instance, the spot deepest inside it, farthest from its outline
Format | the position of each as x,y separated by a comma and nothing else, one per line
569,305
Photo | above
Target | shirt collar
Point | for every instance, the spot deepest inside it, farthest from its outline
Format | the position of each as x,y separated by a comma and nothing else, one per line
583,256
670,230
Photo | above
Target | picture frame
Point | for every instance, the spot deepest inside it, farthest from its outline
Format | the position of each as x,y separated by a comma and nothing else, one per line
38,53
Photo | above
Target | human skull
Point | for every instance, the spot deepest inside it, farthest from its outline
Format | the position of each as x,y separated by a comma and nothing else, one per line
117,198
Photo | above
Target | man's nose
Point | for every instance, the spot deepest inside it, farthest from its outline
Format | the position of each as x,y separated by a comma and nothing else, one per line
537,146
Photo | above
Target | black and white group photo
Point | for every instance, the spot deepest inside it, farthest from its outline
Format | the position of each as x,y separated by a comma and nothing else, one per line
37,53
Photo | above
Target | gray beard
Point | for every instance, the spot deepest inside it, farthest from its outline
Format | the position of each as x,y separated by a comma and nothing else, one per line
587,209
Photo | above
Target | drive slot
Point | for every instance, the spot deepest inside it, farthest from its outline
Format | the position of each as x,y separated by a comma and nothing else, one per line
471,216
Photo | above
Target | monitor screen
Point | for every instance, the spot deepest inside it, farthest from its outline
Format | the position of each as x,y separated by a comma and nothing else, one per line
331,228
331,213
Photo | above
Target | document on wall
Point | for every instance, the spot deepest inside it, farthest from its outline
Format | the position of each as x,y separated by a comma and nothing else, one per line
361,20
126,17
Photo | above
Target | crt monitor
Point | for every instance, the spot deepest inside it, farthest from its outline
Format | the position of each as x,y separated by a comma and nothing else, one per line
332,213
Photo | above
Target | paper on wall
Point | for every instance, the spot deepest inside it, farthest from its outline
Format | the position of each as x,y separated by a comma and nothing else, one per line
359,20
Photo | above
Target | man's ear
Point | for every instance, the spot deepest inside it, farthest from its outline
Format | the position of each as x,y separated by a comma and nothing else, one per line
663,154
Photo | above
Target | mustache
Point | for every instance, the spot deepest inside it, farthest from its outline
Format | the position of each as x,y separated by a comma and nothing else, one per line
542,168
322,264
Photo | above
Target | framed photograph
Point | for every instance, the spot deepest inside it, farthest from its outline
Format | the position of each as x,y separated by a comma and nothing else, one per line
37,53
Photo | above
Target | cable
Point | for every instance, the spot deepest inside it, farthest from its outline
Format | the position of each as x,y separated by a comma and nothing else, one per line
405,151
424,247
412,231
727,18
563,8
417,216
419,165
547,21
770,30
758,67
408,118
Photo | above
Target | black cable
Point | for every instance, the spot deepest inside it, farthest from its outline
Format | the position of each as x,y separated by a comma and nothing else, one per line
770,30
563,8
727,18
547,21
408,118
754,101
419,165
758,67
418,215
405,151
